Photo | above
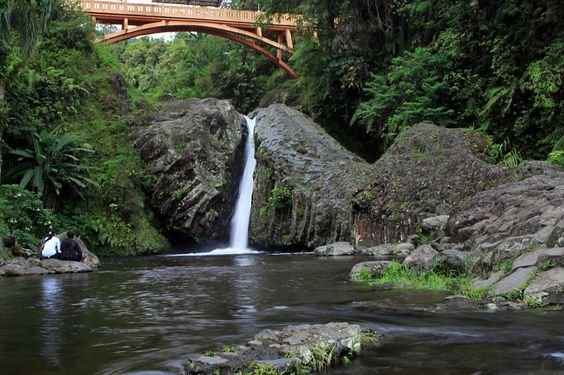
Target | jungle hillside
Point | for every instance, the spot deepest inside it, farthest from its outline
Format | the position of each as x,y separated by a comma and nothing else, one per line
371,70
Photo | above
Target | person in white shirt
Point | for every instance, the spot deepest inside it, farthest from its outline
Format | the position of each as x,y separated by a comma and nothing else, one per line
51,246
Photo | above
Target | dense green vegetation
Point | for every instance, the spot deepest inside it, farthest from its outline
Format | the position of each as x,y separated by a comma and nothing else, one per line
65,131
197,65
382,65
375,68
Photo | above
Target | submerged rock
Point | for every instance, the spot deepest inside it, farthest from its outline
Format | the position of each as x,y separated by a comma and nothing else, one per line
316,346
304,182
193,150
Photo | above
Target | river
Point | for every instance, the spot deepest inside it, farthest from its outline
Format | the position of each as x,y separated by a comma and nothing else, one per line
144,315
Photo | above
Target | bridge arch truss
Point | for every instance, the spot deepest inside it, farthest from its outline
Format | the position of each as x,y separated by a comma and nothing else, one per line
240,26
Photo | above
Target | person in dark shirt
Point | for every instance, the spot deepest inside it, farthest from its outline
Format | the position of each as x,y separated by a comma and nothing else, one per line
70,249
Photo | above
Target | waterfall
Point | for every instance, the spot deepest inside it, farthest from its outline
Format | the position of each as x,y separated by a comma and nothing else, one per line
242,215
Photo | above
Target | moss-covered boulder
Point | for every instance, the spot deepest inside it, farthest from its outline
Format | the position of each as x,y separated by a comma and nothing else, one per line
424,173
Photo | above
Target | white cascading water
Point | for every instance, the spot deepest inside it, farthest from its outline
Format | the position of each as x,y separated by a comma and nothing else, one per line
242,215
241,218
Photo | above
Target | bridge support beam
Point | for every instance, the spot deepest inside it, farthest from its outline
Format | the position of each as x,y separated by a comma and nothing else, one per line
279,51
289,41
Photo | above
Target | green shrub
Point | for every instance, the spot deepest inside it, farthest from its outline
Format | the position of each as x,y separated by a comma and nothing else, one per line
23,215
556,157
413,90
280,196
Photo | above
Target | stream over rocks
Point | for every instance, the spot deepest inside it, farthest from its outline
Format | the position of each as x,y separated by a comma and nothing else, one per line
147,315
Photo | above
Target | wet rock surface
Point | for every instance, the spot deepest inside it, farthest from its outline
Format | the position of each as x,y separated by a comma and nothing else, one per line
193,149
287,350
304,182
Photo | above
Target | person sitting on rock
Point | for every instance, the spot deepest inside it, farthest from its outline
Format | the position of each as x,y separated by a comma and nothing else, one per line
70,249
51,247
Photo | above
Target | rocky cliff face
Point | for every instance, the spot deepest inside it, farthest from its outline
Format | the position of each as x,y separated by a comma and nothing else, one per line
304,182
424,173
193,149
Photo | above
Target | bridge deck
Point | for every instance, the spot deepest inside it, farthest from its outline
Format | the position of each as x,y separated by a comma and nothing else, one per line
113,12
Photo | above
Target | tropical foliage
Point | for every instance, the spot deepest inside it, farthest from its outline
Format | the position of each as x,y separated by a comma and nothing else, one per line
66,129
52,165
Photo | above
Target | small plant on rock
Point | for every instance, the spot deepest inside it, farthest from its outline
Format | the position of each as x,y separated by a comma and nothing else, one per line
506,266
546,265
363,275
280,196
321,357
557,157
533,302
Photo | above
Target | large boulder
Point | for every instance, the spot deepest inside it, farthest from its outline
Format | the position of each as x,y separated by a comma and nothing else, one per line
389,251
422,258
369,269
193,149
424,173
64,266
511,219
304,182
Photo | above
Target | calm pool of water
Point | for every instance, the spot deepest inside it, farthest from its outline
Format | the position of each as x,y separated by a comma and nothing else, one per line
144,315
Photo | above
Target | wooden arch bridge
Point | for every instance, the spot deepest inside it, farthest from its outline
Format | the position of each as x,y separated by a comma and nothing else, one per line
137,19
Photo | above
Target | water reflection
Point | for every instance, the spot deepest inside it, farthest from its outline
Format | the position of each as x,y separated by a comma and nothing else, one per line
51,321
145,315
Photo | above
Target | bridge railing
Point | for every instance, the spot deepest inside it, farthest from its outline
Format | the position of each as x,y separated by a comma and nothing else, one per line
180,11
